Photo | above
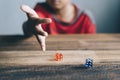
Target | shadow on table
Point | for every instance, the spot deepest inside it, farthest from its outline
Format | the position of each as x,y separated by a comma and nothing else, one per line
66,72
15,42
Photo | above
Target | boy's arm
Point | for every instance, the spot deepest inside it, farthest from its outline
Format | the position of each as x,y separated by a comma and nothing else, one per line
34,25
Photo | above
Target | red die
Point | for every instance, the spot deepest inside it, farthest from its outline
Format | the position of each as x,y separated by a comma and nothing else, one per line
58,56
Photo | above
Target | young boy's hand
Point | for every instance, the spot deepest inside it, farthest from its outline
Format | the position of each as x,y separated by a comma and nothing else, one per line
35,22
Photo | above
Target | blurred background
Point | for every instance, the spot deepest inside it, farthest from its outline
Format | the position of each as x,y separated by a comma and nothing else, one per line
105,12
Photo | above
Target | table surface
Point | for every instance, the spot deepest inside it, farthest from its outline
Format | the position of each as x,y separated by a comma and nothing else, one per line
63,42
22,58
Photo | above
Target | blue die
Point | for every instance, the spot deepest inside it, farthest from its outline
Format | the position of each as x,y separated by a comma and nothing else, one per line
88,63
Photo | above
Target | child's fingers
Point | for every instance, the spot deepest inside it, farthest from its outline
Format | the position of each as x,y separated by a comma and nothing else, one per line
41,40
33,15
35,18
41,21
29,11
40,30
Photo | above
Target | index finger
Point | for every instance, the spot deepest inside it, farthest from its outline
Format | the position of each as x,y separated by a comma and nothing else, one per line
29,11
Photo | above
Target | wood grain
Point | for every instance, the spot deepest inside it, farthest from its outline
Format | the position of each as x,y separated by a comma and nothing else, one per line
17,49
62,42
22,58
44,58
47,58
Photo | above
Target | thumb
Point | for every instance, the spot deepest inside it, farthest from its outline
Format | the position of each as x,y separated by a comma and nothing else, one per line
29,11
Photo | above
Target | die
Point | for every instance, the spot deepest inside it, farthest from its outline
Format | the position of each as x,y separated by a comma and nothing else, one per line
88,63
58,56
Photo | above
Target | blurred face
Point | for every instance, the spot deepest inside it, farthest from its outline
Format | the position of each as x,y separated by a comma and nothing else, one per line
58,4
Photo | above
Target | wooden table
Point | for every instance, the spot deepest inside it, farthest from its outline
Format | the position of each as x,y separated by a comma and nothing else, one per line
17,51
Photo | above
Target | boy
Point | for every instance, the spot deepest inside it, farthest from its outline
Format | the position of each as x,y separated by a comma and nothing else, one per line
64,18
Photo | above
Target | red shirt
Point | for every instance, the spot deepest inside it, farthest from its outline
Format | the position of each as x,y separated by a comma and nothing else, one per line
82,23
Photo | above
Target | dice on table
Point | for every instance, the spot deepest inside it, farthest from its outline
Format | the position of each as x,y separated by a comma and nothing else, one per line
58,56
88,63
